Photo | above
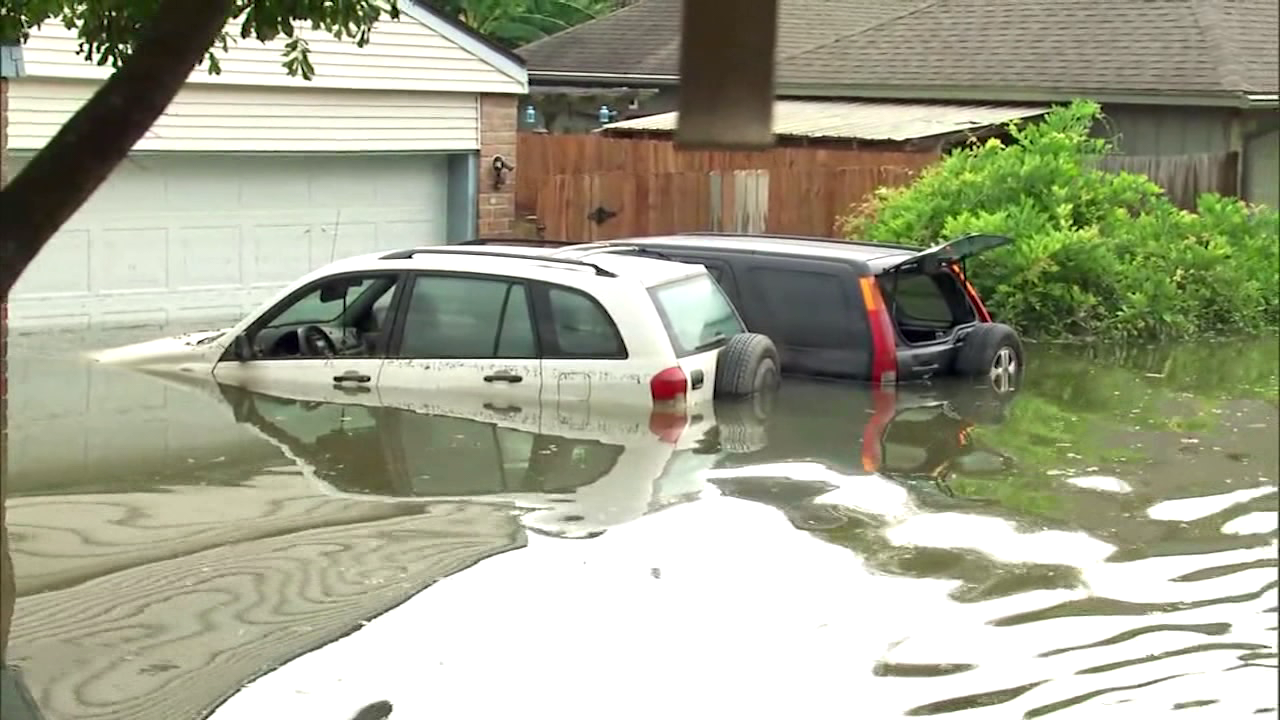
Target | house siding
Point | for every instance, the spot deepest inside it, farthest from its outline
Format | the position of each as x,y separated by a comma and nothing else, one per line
1169,131
1154,130
1262,169
401,55
207,118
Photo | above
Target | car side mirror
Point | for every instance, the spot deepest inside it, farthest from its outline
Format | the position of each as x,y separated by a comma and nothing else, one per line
242,348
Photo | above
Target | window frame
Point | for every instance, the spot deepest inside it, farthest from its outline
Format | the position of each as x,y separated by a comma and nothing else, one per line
549,339
259,323
395,346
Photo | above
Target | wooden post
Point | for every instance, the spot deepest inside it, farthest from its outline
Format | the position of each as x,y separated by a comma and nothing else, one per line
726,74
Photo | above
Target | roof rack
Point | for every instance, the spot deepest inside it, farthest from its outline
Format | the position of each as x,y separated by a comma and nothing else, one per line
586,249
408,253
522,242
807,238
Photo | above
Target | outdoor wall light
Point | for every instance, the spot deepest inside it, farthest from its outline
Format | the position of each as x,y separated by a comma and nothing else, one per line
530,115
500,170
605,115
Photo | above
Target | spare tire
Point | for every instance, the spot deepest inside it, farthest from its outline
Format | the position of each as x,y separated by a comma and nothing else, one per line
747,365
992,351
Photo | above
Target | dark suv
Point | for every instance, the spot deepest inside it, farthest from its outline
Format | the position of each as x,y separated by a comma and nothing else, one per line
861,311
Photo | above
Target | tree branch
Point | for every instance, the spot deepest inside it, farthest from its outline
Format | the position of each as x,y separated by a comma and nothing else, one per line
62,176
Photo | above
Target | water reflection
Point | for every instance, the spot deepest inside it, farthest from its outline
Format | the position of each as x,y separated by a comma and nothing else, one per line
1104,542
574,474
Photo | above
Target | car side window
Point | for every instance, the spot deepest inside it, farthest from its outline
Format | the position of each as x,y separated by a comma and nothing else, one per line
467,317
808,308
346,311
516,337
325,303
582,328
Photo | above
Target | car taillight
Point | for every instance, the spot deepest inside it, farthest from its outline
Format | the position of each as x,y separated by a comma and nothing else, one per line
969,290
884,349
669,385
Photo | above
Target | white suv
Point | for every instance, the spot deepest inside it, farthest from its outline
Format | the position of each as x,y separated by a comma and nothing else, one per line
506,325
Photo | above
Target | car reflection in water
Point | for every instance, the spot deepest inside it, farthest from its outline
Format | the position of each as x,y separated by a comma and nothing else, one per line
920,435
574,473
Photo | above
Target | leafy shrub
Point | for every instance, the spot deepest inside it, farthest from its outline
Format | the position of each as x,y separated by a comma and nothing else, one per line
1097,253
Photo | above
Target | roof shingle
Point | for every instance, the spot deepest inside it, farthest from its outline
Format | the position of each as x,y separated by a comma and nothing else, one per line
1174,47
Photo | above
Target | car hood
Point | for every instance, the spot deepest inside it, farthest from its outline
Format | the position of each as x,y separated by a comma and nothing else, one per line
180,353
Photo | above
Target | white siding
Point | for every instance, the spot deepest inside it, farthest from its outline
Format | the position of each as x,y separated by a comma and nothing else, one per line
210,118
171,238
401,55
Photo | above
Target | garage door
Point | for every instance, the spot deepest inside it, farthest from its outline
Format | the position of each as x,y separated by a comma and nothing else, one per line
175,239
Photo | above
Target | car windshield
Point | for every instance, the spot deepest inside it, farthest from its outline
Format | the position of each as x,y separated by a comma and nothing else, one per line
697,314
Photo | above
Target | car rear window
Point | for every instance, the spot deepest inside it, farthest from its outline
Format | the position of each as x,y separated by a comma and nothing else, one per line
697,313
932,300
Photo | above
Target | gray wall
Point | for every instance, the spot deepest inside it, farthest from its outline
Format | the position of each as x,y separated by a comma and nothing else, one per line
1148,130
1262,169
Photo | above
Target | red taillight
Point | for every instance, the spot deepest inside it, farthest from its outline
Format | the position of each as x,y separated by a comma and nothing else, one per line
969,290
884,348
668,385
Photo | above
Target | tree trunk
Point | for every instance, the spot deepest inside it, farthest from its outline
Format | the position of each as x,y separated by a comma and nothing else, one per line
62,176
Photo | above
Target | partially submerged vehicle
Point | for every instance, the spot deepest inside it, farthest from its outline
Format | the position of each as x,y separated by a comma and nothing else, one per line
861,311
504,326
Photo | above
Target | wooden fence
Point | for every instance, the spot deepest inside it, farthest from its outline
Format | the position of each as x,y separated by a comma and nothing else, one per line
586,187
1183,177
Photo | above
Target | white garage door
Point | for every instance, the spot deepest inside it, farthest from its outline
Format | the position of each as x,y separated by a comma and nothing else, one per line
172,239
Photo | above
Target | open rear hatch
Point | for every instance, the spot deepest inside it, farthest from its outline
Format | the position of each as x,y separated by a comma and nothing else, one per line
935,259
926,293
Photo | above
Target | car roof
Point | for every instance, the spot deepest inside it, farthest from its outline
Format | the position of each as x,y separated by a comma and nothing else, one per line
875,255
546,262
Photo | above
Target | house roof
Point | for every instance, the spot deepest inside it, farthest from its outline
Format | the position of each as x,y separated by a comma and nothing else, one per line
860,119
462,28
960,49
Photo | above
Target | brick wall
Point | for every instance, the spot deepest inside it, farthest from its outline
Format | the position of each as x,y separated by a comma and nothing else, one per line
497,137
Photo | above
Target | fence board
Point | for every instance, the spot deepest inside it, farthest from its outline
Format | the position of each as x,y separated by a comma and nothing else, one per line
543,155
790,202
1183,177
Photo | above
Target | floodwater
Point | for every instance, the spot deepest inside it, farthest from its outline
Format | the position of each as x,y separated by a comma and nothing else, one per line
1103,544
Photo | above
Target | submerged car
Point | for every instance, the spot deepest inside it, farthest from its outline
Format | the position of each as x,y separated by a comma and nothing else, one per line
508,325
860,311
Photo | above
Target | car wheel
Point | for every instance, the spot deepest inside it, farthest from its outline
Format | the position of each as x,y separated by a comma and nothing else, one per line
993,352
748,365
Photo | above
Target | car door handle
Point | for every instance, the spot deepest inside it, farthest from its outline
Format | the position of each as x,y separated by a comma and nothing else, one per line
503,377
507,410
352,376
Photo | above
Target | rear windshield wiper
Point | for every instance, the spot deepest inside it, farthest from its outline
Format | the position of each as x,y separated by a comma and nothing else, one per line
709,344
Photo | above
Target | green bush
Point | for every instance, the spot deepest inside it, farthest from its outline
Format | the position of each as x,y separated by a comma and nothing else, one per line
1097,254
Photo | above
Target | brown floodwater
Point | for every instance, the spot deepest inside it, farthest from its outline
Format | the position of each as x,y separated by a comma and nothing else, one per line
1101,544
